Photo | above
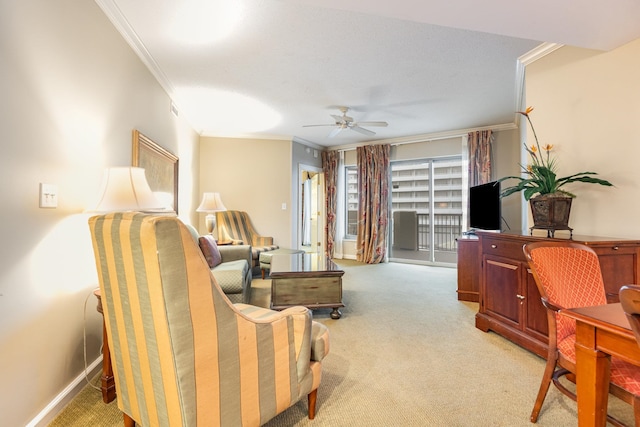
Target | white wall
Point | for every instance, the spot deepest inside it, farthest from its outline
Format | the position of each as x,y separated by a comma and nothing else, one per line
586,104
251,175
73,91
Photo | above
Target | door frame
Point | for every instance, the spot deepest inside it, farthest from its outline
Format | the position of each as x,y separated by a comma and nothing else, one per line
302,168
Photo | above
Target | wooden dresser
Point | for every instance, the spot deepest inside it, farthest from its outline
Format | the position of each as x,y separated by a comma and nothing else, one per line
509,301
469,268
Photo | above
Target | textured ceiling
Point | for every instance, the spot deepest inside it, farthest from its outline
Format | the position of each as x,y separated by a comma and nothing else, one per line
425,68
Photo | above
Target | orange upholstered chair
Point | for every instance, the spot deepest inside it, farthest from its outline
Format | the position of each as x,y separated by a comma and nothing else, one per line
182,353
568,275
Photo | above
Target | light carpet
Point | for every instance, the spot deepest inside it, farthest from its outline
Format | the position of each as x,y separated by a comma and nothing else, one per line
405,353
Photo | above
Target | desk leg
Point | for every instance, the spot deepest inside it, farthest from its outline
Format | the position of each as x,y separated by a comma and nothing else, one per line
592,379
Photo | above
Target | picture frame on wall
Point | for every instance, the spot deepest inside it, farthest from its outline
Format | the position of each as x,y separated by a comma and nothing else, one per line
161,169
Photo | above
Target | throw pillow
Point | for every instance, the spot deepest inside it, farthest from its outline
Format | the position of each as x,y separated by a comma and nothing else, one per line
210,250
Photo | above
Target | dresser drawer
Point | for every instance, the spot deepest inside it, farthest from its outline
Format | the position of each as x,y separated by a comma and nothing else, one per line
511,249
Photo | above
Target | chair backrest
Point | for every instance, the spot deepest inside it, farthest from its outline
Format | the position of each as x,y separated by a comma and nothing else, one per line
567,275
630,301
236,225
182,354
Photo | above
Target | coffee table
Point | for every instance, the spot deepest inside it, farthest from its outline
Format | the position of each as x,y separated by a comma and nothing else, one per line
310,280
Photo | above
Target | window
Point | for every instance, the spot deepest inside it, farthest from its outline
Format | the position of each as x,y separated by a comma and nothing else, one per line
431,188
426,203
351,191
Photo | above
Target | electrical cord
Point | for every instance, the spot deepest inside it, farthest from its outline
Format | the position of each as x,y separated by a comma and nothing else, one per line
84,336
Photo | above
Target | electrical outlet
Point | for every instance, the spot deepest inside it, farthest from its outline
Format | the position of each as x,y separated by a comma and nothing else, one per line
48,196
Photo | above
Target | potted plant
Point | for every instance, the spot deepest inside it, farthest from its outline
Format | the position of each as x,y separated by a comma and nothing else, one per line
552,203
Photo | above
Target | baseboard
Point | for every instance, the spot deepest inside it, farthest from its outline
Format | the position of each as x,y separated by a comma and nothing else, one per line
61,400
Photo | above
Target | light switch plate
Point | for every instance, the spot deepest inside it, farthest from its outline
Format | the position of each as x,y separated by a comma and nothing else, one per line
48,195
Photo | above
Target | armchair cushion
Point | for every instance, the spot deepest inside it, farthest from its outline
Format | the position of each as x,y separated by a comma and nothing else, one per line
231,277
210,250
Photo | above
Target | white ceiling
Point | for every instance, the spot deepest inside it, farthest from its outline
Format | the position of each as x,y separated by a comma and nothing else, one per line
426,67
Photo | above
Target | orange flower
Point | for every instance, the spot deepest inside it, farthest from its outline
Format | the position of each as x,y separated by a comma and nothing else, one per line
540,175
526,112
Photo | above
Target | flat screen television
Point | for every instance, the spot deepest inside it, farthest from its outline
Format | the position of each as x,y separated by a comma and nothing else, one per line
485,209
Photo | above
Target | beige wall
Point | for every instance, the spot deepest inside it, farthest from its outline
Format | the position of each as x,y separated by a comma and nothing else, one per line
73,91
253,176
506,161
586,104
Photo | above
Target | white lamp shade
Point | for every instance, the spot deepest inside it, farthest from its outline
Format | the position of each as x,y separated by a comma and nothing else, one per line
126,189
211,202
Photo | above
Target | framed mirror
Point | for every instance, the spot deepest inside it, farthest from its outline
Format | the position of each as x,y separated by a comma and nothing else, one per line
161,169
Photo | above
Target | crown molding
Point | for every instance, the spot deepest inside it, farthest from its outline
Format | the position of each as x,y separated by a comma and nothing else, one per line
538,52
425,137
113,12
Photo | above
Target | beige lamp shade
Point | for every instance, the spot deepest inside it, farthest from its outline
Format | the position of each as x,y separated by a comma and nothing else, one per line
211,202
126,189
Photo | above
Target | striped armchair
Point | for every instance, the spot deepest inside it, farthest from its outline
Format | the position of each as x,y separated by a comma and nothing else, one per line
235,227
182,354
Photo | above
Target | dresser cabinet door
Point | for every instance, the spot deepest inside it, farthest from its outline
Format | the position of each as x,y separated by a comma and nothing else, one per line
502,280
619,265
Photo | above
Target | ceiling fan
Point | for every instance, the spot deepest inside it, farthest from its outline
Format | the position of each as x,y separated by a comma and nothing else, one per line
345,122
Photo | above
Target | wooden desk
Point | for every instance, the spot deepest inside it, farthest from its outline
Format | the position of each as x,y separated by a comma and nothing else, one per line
601,332
108,382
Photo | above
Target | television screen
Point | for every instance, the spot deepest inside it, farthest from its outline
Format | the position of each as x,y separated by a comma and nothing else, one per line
485,207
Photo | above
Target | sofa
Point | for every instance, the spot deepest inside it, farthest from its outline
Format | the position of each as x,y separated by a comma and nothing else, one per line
230,266
235,228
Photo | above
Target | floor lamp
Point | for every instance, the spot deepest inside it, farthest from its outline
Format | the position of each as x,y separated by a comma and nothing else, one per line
211,203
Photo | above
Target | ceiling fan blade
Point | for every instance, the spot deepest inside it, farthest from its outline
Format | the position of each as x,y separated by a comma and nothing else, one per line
373,123
308,126
338,118
362,130
335,132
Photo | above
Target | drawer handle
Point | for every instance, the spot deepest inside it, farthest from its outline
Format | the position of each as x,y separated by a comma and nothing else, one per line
493,246
520,297
615,248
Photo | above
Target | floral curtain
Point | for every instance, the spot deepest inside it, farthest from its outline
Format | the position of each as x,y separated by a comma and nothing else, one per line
373,203
479,157
330,169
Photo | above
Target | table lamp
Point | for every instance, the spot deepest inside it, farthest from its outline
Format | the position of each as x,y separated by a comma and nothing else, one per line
126,189
211,202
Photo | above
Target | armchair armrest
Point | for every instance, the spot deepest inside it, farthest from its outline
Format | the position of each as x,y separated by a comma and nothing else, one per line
311,338
230,242
319,341
235,252
549,305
